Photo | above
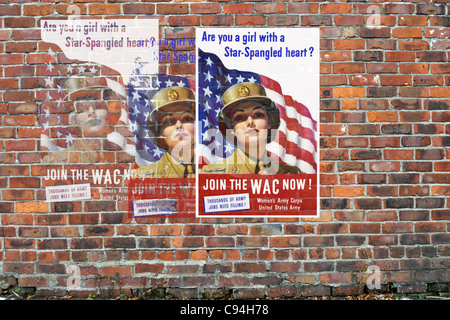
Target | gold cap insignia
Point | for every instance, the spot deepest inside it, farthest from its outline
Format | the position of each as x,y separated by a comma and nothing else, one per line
172,95
243,91
234,169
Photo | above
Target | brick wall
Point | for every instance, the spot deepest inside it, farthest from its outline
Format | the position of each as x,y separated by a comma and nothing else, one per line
385,162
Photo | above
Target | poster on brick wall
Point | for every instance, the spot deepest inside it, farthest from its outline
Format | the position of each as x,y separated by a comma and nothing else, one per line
258,122
108,122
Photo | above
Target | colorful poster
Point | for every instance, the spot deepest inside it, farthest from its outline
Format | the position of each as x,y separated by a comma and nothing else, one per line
257,122
110,107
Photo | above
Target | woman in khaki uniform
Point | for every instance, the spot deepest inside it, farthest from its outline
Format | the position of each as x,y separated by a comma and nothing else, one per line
249,120
172,127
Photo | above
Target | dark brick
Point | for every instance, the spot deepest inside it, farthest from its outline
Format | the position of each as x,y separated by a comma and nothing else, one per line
416,141
368,56
112,218
154,243
334,203
375,32
368,203
216,267
366,154
430,9
311,291
352,266
408,104
400,203
414,239
380,92
330,104
431,56
397,128
52,244
97,206
401,178
63,206
440,21
438,105
441,238
350,240
371,178
430,202
318,266
86,243
51,268
120,242
430,154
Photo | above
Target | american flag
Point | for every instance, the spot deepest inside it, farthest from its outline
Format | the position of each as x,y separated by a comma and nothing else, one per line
140,91
295,143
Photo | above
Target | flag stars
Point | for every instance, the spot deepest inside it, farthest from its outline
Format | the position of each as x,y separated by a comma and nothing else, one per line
209,62
207,92
207,106
136,96
50,52
240,79
169,83
157,152
48,82
50,67
206,136
69,138
206,123
208,76
229,78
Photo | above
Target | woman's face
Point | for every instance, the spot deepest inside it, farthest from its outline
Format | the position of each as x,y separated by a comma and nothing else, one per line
92,118
250,123
177,126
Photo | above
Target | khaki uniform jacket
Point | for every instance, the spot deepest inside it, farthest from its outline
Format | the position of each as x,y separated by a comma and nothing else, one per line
240,163
166,167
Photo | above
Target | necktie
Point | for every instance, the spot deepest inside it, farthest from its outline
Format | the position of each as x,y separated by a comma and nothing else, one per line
189,171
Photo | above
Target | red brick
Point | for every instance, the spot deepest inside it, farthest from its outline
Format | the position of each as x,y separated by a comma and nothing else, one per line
399,56
185,21
413,45
21,22
200,8
348,20
331,8
38,9
238,8
102,9
112,271
382,68
395,80
410,68
298,8
351,44
249,20
412,21
287,20
407,33
315,20
172,8
139,8
399,8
